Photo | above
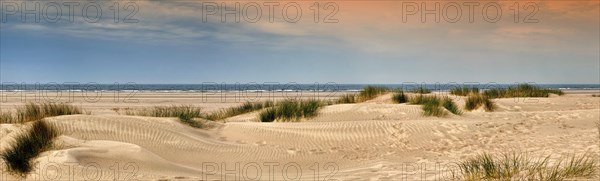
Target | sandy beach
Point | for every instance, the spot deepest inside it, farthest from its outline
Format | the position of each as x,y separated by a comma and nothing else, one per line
373,140
341,90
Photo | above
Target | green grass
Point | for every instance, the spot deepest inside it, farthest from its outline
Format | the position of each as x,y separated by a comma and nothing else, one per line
291,110
520,166
449,104
309,108
34,112
185,113
347,99
421,90
521,90
400,97
475,101
435,106
464,91
432,108
27,146
268,115
238,110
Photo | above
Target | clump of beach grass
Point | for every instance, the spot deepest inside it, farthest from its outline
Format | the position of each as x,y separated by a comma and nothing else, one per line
488,104
347,99
521,90
367,93
432,108
291,110
268,115
371,92
520,166
435,106
241,109
421,90
400,97
27,146
449,104
475,101
464,91
34,112
185,113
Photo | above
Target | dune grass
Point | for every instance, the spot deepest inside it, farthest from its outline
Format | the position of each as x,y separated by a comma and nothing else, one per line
432,108
291,110
475,101
347,99
449,104
489,105
367,93
420,99
34,112
238,110
268,115
27,146
435,106
421,90
370,92
520,166
6,117
400,97
521,90
185,113
464,91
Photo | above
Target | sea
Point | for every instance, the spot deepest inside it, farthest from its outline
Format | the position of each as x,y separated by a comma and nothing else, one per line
260,87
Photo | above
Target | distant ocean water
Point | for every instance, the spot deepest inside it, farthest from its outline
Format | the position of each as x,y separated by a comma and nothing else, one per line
259,87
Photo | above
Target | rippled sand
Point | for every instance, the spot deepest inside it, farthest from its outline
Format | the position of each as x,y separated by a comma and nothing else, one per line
375,140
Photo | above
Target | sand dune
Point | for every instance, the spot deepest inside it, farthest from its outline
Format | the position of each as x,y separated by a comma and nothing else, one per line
375,140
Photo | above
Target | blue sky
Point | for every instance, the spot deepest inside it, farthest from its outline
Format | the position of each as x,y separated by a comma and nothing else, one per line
369,44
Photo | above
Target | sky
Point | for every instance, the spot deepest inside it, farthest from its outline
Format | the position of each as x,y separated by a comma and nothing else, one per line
352,41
